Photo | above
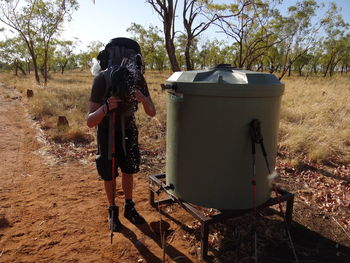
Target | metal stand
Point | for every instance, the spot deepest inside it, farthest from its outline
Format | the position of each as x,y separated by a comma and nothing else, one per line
206,221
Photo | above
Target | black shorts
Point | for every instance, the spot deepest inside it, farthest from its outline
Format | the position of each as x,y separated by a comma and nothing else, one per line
128,161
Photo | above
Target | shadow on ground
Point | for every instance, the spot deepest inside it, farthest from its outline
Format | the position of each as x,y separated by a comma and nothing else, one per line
234,241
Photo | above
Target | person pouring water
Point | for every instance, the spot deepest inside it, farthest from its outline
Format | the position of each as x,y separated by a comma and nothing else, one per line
122,73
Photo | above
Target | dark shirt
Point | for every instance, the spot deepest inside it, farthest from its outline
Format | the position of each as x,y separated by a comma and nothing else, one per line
99,95
98,91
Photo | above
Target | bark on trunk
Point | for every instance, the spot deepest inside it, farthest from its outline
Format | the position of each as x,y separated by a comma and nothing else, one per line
189,65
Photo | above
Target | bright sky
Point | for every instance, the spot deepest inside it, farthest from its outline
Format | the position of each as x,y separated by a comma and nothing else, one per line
107,19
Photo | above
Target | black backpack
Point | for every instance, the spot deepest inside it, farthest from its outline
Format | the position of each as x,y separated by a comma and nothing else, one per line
122,63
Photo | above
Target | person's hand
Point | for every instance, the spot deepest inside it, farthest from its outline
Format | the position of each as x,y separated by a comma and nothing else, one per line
113,102
138,95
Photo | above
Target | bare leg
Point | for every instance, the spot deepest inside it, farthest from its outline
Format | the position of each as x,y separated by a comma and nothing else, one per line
127,184
110,191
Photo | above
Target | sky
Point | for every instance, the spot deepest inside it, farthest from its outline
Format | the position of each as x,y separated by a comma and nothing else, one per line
107,19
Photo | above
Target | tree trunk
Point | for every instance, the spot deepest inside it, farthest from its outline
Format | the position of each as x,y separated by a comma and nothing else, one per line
170,48
28,67
260,68
16,67
329,65
35,64
240,64
21,68
64,66
169,39
166,10
188,56
284,71
46,57
300,69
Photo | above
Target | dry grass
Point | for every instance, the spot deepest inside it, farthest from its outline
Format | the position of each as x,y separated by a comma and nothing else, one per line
315,118
154,128
315,115
65,95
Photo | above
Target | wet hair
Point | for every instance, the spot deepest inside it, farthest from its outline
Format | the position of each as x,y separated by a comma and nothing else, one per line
117,49
102,58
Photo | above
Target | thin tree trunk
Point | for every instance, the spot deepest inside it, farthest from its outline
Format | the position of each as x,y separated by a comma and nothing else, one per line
21,69
188,56
35,64
16,67
169,40
28,67
46,57
64,66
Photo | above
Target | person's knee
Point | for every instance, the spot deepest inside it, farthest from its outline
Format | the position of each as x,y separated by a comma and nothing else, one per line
110,181
107,177
104,168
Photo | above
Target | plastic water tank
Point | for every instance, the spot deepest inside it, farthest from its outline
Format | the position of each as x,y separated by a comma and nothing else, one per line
209,152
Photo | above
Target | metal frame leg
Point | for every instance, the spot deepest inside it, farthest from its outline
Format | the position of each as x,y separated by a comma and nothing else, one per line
208,220
151,198
204,240
289,210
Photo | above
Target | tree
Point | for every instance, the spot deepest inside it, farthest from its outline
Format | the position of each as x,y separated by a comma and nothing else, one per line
299,32
193,9
167,10
250,25
14,53
301,62
63,54
191,12
336,51
152,45
345,57
37,22
84,58
336,42
316,55
215,52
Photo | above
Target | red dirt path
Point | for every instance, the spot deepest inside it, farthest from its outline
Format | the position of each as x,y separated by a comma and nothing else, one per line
51,212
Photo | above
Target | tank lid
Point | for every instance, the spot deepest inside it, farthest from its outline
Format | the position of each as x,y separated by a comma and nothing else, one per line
225,80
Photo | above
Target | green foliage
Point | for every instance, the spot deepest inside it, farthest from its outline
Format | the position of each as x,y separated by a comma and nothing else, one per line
37,22
94,48
336,44
152,45
14,54
83,59
215,52
63,57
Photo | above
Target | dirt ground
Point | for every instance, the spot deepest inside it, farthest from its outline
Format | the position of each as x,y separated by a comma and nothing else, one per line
52,211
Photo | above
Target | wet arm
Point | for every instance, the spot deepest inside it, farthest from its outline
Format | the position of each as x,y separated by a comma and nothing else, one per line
147,103
96,113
